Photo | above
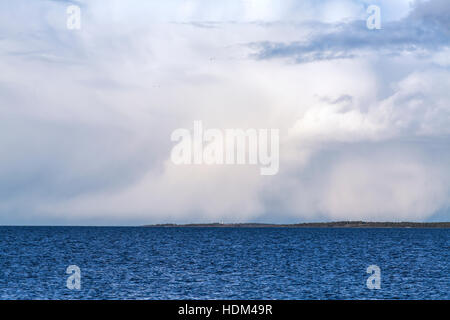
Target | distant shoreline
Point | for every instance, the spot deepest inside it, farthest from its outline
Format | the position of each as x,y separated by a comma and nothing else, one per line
339,224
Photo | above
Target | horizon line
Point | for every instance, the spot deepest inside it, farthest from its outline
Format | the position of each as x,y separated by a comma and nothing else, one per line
343,223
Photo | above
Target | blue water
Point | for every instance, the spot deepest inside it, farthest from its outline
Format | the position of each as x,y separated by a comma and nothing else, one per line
203,263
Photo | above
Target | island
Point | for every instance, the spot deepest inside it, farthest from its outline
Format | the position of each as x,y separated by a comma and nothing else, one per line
338,224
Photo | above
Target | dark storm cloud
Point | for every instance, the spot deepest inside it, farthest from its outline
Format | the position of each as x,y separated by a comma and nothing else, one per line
426,29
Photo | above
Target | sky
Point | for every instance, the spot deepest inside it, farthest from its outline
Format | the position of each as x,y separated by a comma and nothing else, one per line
86,115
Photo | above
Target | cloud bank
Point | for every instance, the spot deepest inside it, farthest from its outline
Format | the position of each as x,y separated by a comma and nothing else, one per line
86,115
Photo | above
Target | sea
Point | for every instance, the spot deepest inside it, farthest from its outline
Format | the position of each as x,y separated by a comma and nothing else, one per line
224,263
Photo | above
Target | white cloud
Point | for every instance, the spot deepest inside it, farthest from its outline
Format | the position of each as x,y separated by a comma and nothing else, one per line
86,118
384,186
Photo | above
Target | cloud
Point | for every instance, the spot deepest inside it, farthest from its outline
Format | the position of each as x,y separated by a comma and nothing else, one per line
418,108
377,181
86,115
422,32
